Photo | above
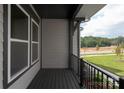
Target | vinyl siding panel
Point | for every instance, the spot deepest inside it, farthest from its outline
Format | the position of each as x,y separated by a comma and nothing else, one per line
55,43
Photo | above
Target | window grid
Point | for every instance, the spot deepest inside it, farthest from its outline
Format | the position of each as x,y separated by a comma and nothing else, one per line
34,42
10,40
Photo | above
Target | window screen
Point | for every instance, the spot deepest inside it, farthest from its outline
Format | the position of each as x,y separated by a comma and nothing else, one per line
19,23
34,52
35,32
19,56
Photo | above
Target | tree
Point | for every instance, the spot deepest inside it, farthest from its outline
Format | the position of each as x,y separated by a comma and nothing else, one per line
118,51
120,40
97,47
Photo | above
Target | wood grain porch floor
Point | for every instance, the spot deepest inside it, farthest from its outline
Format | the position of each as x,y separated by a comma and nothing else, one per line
55,79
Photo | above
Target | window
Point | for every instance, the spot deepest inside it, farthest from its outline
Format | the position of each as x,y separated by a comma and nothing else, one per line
35,43
18,41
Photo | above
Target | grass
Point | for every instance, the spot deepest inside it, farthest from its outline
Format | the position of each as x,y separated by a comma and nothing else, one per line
111,63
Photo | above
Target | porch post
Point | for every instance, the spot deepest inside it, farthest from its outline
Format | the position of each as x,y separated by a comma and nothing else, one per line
78,44
71,26
121,83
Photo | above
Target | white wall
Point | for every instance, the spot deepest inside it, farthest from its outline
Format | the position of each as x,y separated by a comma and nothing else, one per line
55,43
1,46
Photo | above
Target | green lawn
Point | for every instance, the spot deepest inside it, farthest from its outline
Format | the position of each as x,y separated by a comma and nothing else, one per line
111,63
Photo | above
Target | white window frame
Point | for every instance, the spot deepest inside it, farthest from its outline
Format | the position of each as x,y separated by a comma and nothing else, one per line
34,42
10,78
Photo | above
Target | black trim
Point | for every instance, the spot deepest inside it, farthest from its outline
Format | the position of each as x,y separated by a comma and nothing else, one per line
5,44
5,48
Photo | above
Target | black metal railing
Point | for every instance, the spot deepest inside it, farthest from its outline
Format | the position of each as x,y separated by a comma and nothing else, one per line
94,77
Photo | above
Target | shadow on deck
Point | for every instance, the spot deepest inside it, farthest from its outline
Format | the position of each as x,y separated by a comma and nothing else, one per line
55,79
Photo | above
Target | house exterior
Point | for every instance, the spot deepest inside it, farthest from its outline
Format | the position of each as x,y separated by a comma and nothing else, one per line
35,37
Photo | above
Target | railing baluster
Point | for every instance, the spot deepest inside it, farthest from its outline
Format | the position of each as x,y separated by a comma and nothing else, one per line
81,69
88,77
121,83
85,78
102,82
107,82
94,78
98,79
91,77
113,84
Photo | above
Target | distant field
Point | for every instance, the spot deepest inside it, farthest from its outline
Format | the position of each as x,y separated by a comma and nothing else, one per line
102,50
111,63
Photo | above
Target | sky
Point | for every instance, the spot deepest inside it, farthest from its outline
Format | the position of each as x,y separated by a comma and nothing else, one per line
108,22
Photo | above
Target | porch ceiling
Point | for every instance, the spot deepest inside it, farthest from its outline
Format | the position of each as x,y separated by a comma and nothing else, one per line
56,11
88,10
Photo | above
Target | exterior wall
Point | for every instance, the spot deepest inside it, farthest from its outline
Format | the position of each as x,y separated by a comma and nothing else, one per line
55,43
23,81
1,46
28,76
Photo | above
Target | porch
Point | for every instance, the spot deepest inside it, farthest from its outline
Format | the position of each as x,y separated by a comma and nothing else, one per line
48,37
55,79
85,76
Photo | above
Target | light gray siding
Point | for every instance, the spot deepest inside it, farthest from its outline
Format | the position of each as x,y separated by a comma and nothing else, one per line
55,43
1,46
24,81
27,77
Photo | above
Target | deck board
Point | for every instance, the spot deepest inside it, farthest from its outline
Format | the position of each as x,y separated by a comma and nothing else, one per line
54,79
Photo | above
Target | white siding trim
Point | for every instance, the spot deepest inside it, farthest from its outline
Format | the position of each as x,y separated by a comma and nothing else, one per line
35,42
18,40
9,33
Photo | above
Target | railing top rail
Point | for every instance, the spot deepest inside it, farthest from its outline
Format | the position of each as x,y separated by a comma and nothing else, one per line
109,74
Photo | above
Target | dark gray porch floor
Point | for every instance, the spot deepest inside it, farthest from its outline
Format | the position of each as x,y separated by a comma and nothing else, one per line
55,79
